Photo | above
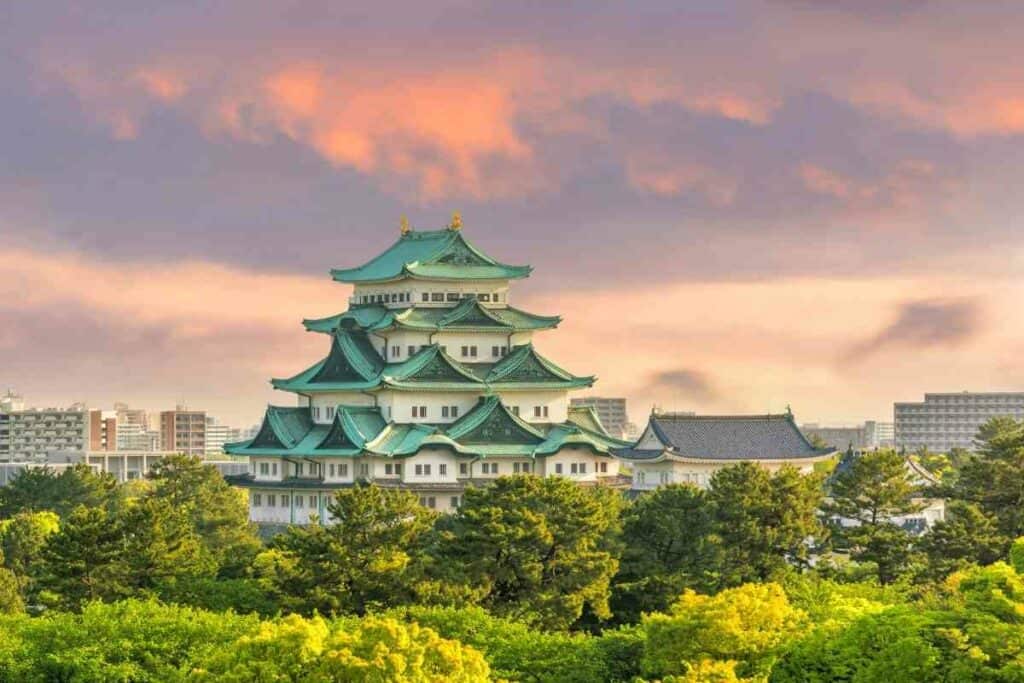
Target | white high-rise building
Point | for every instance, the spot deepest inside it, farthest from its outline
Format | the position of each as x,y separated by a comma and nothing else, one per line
951,420
431,382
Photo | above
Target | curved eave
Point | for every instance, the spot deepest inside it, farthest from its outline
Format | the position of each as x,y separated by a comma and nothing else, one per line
678,457
420,272
322,387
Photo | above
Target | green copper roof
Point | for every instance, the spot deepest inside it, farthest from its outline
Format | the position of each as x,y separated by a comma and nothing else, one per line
489,429
586,417
491,422
468,315
431,254
354,365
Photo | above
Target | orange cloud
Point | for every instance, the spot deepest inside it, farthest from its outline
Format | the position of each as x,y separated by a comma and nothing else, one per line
903,187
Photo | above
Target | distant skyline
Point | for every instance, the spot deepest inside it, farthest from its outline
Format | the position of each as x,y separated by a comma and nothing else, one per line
736,206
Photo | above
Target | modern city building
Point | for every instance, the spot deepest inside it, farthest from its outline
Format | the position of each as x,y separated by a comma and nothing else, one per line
217,435
183,431
610,411
26,435
431,383
11,402
680,448
866,436
944,421
102,430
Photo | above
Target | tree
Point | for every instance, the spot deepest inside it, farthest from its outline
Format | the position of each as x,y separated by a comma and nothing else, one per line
38,489
866,495
373,649
668,545
83,561
534,548
751,624
218,513
763,521
22,540
994,480
966,536
365,559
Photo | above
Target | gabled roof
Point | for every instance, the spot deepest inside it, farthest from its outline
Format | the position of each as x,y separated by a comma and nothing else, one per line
491,422
490,429
431,254
468,315
354,365
586,417
351,363
727,438
524,364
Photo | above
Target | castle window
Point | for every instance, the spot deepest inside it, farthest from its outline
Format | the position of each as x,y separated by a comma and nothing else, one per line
453,296
264,468
455,501
271,500
284,500
395,351
483,297
442,470
412,350
437,296
495,351
343,470
558,468
426,296
574,468
463,469
257,500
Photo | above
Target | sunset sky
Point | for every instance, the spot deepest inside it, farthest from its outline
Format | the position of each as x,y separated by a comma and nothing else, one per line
736,206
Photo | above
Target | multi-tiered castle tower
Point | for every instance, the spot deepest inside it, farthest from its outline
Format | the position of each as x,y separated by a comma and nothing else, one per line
431,383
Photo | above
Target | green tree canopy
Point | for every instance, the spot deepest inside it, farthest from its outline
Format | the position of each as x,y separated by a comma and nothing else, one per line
540,549
39,489
668,545
366,558
763,521
866,494
218,513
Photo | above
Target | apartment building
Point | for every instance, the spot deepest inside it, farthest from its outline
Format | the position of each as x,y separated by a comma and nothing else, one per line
183,431
944,421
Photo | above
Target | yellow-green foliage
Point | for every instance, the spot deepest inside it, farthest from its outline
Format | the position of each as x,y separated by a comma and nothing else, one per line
373,649
750,624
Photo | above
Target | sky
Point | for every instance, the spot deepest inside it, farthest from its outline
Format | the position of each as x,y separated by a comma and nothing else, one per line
737,206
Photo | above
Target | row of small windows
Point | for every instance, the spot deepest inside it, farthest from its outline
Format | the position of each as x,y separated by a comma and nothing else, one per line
273,500
427,297
453,411
426,469
468,351
431,501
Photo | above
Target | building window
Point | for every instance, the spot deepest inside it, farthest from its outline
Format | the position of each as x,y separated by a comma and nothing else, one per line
442,470
412,350
419,411
298,469
264,468
495,351
463,469
583,468
496,297
395,351
437,296
331,469
465,352
558,468
299,501
284,500
455,501
388,469
271,500
603,467
343,470
574,468
257,500
483,297
453,296
428,502
515,468
419,470
364,469
540,411
514,409
426,296
444,411
312,501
